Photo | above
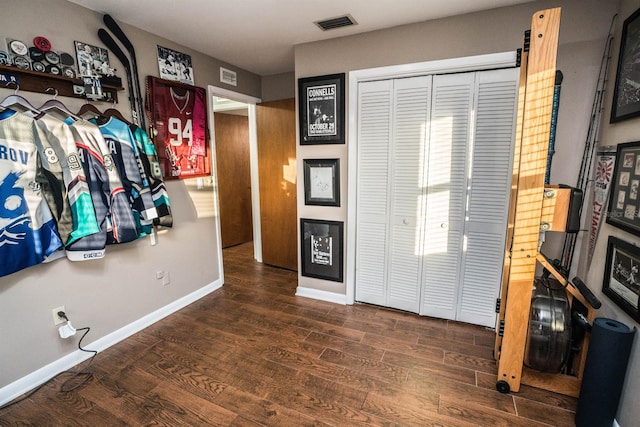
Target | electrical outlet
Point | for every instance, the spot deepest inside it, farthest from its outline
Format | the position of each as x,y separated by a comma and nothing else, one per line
166,279
57,319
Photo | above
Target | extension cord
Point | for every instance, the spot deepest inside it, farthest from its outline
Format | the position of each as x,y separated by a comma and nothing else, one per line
67,330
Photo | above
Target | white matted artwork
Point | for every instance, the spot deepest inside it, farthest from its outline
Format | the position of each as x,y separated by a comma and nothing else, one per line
174,65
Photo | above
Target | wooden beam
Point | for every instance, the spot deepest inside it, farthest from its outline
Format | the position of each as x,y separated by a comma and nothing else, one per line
541,69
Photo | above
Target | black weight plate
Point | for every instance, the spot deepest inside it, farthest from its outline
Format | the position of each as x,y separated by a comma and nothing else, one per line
66,59
39,66
42,43
22,62
5,58
52,57
36,54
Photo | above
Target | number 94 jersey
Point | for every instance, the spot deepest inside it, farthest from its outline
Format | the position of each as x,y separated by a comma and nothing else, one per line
179,117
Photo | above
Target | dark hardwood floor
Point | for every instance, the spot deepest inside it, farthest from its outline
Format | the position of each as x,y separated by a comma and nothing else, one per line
253,354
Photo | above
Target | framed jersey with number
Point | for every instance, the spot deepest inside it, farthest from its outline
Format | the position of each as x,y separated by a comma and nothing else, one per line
178,114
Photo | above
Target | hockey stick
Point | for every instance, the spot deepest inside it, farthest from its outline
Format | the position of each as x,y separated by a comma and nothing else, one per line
113,46
117,31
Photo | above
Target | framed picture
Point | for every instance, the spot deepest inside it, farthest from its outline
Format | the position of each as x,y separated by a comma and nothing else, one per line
624,202
622,275
175,66
626,95
179,118
322,182
93,61
321,248
321,109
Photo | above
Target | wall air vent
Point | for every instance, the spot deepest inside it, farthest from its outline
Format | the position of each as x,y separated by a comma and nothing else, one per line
333,23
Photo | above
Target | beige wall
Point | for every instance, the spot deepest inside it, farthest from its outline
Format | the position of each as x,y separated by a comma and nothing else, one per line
278,86
583,33
613,134
111,293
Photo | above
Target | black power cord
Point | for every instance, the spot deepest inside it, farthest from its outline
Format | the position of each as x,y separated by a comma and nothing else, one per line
78,379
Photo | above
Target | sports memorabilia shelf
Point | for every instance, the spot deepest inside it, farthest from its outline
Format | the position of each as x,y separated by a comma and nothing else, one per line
36,81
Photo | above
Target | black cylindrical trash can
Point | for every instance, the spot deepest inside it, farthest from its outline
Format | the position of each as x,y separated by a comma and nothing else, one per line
604,373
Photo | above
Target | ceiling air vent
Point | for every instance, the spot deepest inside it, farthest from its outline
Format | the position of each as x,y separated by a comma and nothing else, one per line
333,23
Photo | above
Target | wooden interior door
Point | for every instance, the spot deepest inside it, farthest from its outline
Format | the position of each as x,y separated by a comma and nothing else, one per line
234,178
276,127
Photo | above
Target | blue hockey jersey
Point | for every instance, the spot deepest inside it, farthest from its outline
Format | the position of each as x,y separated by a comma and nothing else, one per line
27,230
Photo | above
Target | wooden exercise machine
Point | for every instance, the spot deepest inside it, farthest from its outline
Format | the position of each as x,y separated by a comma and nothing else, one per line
530,211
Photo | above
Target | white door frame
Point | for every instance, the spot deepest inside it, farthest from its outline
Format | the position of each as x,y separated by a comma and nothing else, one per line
470,63
253,159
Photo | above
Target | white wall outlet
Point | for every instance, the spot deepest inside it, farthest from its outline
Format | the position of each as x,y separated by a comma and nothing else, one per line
57,319
159,274
166,279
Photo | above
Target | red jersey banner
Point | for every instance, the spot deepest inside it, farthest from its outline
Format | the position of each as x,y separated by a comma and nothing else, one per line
178,117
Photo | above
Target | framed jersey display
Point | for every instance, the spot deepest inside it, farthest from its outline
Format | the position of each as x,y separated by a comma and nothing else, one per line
179,119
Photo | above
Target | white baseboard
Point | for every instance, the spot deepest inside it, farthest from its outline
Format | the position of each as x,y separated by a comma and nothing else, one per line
321,295
34,379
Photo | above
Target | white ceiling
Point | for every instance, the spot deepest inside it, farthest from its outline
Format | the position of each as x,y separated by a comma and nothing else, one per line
259,35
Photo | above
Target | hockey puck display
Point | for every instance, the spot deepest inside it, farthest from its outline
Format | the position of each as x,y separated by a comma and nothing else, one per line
39,66
42,43
66,59
52,57
36,54
18,48
22,62
69,72
5,58
53,69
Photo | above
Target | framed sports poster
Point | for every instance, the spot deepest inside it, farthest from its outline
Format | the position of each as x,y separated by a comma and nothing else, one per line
321,109
178,115
322,182
626,94
321,248
622,275
174,65
93,61
624,202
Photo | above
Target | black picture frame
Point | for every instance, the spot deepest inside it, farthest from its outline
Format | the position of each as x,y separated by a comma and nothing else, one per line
626,94
322,182
321,248
624,200
321,109
622,276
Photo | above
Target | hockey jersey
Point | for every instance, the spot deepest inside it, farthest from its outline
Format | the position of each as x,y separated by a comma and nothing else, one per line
111,204
27,230
151,166
75,216
124,152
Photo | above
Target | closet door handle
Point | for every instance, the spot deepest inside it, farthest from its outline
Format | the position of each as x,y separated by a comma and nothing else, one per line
444,225
405,221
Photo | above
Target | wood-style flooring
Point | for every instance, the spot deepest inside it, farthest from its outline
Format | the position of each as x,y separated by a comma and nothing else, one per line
253,354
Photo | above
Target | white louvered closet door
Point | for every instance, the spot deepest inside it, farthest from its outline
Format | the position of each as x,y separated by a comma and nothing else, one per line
446,193
393,126
411,107
490,181
374,134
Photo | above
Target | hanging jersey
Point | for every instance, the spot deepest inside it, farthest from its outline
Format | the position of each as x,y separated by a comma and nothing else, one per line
149,160
27,229
59,156
111,204
179,119
124,152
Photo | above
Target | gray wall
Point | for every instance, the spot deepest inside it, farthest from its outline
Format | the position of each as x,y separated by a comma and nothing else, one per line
111,293
613,134
583,33
278,86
